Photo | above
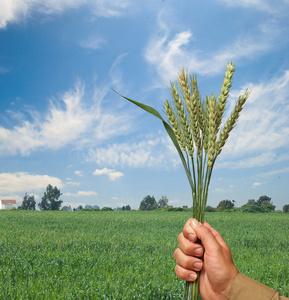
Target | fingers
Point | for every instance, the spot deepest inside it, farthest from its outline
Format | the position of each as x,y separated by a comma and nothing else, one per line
216,235
189,248
184,274
189,232
207,235
186,265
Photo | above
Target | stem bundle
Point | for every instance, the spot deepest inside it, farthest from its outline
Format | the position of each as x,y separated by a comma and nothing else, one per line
195,130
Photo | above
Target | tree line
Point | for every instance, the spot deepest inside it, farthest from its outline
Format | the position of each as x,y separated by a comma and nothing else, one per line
49,201
150,203
263,204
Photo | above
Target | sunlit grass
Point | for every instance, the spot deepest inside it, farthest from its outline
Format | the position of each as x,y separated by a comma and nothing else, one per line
125,255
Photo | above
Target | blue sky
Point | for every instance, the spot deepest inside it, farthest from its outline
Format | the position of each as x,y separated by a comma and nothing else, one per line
61,123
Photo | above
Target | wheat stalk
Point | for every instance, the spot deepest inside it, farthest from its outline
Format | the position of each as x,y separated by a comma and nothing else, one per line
196,124
200,123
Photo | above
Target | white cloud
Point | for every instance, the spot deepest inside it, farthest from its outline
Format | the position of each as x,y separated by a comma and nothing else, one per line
219,190
93,43
255,184
15,11
151,152
261,135
11,183
263,5
174,201
73,204
263,126
80,194
115,72
78,173
3,70
276,172
112,174
75,119
168,54
72,183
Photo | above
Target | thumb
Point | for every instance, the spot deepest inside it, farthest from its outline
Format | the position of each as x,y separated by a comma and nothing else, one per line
206,236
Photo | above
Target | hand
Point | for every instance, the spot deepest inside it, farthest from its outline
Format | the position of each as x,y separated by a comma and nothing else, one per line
217,269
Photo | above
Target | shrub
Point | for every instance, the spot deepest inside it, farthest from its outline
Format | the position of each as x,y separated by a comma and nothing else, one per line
171,208
210,209
254,209
286,208
106,209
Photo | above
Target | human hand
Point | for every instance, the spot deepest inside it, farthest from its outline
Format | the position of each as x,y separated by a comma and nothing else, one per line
217,269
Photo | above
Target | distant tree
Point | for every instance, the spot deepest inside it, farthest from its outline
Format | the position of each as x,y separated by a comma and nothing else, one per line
210,208
163,202
28,202
87,206
286,208
148,203
265,201
253,209
127,207
226,204
251,202
50,199
79,207
105,208
66,208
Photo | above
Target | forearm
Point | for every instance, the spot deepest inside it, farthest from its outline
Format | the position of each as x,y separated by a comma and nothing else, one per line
244,287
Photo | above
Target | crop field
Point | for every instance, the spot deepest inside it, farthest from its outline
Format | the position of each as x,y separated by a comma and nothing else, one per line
126,254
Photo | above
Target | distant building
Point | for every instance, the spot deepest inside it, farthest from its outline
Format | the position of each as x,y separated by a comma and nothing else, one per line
7,204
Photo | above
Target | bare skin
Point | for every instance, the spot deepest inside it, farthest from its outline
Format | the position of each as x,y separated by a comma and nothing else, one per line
213,259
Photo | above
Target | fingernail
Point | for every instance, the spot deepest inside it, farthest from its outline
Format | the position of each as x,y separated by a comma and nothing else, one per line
192,237
195,223
198,265
198,251
193,276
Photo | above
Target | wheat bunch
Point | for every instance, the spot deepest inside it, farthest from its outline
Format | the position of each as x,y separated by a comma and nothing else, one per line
200,123
196,123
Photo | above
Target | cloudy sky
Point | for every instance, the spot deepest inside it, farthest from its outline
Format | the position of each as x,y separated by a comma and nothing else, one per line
61,123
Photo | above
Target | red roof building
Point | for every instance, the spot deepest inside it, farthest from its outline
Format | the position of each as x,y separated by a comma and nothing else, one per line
7,204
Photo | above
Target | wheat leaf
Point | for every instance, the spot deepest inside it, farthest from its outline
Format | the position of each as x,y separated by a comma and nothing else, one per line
170,132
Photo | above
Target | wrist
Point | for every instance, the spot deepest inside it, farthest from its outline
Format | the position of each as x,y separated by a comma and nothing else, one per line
234,272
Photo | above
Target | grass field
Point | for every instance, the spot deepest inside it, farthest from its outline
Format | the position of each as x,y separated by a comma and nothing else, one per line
126,255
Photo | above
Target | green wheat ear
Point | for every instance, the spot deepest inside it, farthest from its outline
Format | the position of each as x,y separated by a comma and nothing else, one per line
196,123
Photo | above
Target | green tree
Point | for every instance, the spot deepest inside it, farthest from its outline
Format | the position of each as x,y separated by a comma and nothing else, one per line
253,209
148,203
127,207
286,208
210,209
50,199
251,202
265,201
163,202
28,202
226,204
105,208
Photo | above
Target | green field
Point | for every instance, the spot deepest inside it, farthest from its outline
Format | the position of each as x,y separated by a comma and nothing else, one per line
126,254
